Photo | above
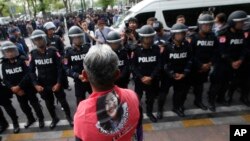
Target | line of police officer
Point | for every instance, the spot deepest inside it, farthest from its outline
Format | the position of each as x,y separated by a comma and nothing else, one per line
157,62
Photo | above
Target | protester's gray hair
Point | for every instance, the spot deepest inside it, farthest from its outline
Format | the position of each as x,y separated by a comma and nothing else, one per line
101,64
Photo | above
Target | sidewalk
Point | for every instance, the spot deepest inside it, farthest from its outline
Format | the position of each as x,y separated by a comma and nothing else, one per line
205,133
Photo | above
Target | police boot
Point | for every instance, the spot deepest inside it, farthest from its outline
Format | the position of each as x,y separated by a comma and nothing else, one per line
211,107
200,105
41,123
30,122
152,117
54,122
159,114
16,127
179,112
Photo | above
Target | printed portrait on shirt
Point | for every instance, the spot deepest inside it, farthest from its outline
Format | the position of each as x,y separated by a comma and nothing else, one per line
112,115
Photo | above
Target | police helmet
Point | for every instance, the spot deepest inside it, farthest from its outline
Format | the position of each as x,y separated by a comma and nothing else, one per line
236,16
113,37
9,46
205,19
146,31
179,28
49,25
75,31
38,34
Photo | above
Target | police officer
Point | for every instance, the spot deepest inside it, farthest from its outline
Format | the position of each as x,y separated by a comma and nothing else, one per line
145,66
177,63
162,37
55,41
204,44
16,76
73,62
229,72
5,102
48,82
115,42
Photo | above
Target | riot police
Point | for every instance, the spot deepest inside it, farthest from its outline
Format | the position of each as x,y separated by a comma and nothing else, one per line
145,67
48,81
5,102
204,46
73,62
55,41
114,40
16,76
230,72
177,63
162,37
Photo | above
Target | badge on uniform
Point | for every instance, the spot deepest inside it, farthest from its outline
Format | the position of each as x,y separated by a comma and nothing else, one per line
222,39
246,34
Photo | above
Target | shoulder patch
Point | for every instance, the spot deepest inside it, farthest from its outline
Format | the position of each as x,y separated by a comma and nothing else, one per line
222,39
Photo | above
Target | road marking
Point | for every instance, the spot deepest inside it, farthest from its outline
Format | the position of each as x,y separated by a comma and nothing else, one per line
246,117
20,137
197,122
148,127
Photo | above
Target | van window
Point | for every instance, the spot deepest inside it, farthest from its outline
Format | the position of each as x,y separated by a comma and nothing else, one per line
121,19
142,18
192,14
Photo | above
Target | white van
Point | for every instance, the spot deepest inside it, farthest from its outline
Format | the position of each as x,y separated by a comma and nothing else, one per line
166,11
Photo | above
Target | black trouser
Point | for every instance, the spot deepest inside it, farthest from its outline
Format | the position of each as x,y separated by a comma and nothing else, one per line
10,111
179,96
3,120
80,90
219,78
197,80
30,97
151,92
239,79
48,96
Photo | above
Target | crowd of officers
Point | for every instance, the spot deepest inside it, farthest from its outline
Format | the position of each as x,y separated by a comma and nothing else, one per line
157,60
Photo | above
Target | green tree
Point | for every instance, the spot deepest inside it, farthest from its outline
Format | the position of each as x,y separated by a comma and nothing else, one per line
106,3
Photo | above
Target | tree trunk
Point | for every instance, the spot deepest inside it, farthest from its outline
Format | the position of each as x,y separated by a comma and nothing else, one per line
65,2
1,9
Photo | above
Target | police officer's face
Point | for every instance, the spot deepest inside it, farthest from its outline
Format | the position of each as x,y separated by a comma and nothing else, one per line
179,36
78,40
40,42
148,40
206,28
111,105
51,31
10,53
239,25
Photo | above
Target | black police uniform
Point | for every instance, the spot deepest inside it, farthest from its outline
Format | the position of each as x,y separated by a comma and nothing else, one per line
147,62
6,103
56,42
204,50
124,67
176,60
231,48
49,67
18,74
73,64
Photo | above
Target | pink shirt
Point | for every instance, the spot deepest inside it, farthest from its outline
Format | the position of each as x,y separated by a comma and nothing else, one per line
93,123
